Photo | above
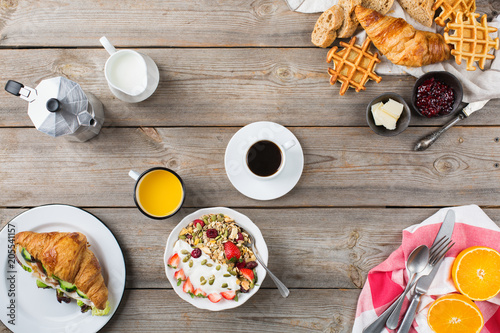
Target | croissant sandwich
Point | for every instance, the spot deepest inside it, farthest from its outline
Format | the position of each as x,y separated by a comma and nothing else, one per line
62,261
400,42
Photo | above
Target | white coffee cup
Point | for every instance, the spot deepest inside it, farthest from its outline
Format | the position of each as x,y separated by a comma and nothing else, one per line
131,76
269,165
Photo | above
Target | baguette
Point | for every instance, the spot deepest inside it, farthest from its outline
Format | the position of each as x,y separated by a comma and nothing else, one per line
325,30
401,43
65,257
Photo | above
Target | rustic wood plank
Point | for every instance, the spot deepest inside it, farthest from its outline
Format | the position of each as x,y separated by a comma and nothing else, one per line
303,311
229,87
343,167
309,247
160,23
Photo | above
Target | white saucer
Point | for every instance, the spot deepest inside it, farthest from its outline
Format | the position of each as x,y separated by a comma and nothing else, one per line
244,180
153,76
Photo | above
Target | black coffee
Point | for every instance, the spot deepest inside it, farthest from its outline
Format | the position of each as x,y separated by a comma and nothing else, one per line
264,158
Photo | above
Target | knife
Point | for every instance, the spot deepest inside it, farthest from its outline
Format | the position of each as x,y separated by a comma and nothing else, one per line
424,282
469,109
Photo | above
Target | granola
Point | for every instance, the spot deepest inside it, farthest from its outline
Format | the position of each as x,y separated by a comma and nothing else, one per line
222,240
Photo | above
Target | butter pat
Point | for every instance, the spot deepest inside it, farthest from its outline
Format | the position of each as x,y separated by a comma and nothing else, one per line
387,114
393,108
375,107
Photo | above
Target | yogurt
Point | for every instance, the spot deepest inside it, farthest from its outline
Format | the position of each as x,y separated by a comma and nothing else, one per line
198,270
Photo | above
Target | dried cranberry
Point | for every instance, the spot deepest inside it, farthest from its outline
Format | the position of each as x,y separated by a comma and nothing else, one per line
212,233
198,221
251,265
434,98
240,236
243,290
241,265
196,253
189,236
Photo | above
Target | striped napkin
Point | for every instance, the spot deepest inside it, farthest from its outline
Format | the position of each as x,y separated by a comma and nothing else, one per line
386,281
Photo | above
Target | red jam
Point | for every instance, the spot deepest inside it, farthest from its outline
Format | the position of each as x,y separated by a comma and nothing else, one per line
434,98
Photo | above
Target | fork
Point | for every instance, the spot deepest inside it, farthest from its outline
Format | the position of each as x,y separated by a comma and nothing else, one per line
378,325
434,259
281,286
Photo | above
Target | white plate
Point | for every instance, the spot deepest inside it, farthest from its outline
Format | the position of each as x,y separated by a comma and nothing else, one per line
37,310
244,181
242,221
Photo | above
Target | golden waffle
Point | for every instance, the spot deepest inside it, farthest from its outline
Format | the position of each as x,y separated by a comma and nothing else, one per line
471,39
450,8
353,65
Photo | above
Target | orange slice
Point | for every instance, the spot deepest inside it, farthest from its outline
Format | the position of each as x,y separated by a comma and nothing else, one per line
455,313
476,272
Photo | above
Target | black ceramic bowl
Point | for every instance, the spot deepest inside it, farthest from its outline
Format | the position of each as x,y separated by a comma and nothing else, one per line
403,121
448,79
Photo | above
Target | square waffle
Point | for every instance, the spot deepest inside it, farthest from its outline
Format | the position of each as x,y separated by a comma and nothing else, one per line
353,65
450,8
471,39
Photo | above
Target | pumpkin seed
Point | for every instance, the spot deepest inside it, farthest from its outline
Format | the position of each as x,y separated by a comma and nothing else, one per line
191,263
204,261
198,226
217,238
224,285
185,252
186,258
232,272
211,282
209,265
227,275
202,278
213,218
252,285
217,267
225,233
203,282
182,237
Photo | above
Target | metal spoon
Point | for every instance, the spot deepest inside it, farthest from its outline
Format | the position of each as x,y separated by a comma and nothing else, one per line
417,261
281,286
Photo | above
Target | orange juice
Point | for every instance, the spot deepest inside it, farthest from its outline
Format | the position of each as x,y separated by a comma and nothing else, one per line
159,193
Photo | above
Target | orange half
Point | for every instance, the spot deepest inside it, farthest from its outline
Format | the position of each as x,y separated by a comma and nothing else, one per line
476,272
455,313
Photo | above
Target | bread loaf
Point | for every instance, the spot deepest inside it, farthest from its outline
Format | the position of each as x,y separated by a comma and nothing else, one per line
350,23
325,30
401,43
420,10
381,6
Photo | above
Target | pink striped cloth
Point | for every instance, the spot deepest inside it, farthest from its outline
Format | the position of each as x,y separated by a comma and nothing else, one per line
386,281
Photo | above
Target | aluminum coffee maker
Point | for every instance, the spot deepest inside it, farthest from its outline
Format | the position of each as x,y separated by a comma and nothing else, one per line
59,107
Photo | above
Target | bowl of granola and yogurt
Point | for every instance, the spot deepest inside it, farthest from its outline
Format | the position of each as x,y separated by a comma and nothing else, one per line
209,260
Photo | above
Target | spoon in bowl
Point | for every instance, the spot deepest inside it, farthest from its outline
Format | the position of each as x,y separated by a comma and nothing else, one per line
281,286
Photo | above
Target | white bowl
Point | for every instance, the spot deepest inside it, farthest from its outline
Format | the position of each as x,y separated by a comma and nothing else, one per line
241,220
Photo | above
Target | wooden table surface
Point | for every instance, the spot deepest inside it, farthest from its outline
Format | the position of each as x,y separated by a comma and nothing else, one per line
224,64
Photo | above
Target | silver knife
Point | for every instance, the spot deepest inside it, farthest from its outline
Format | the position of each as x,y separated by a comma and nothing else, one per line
428,140
424,283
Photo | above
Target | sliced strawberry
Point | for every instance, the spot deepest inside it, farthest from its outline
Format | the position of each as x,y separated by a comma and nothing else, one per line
179,275
228,294
214,297
231,251
174,261
200,293
247,274
188,287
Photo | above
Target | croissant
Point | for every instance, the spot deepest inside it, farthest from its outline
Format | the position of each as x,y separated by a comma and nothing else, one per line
400,42
65,257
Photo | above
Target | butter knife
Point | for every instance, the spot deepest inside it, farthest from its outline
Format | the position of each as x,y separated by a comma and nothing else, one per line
424,282
428,140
